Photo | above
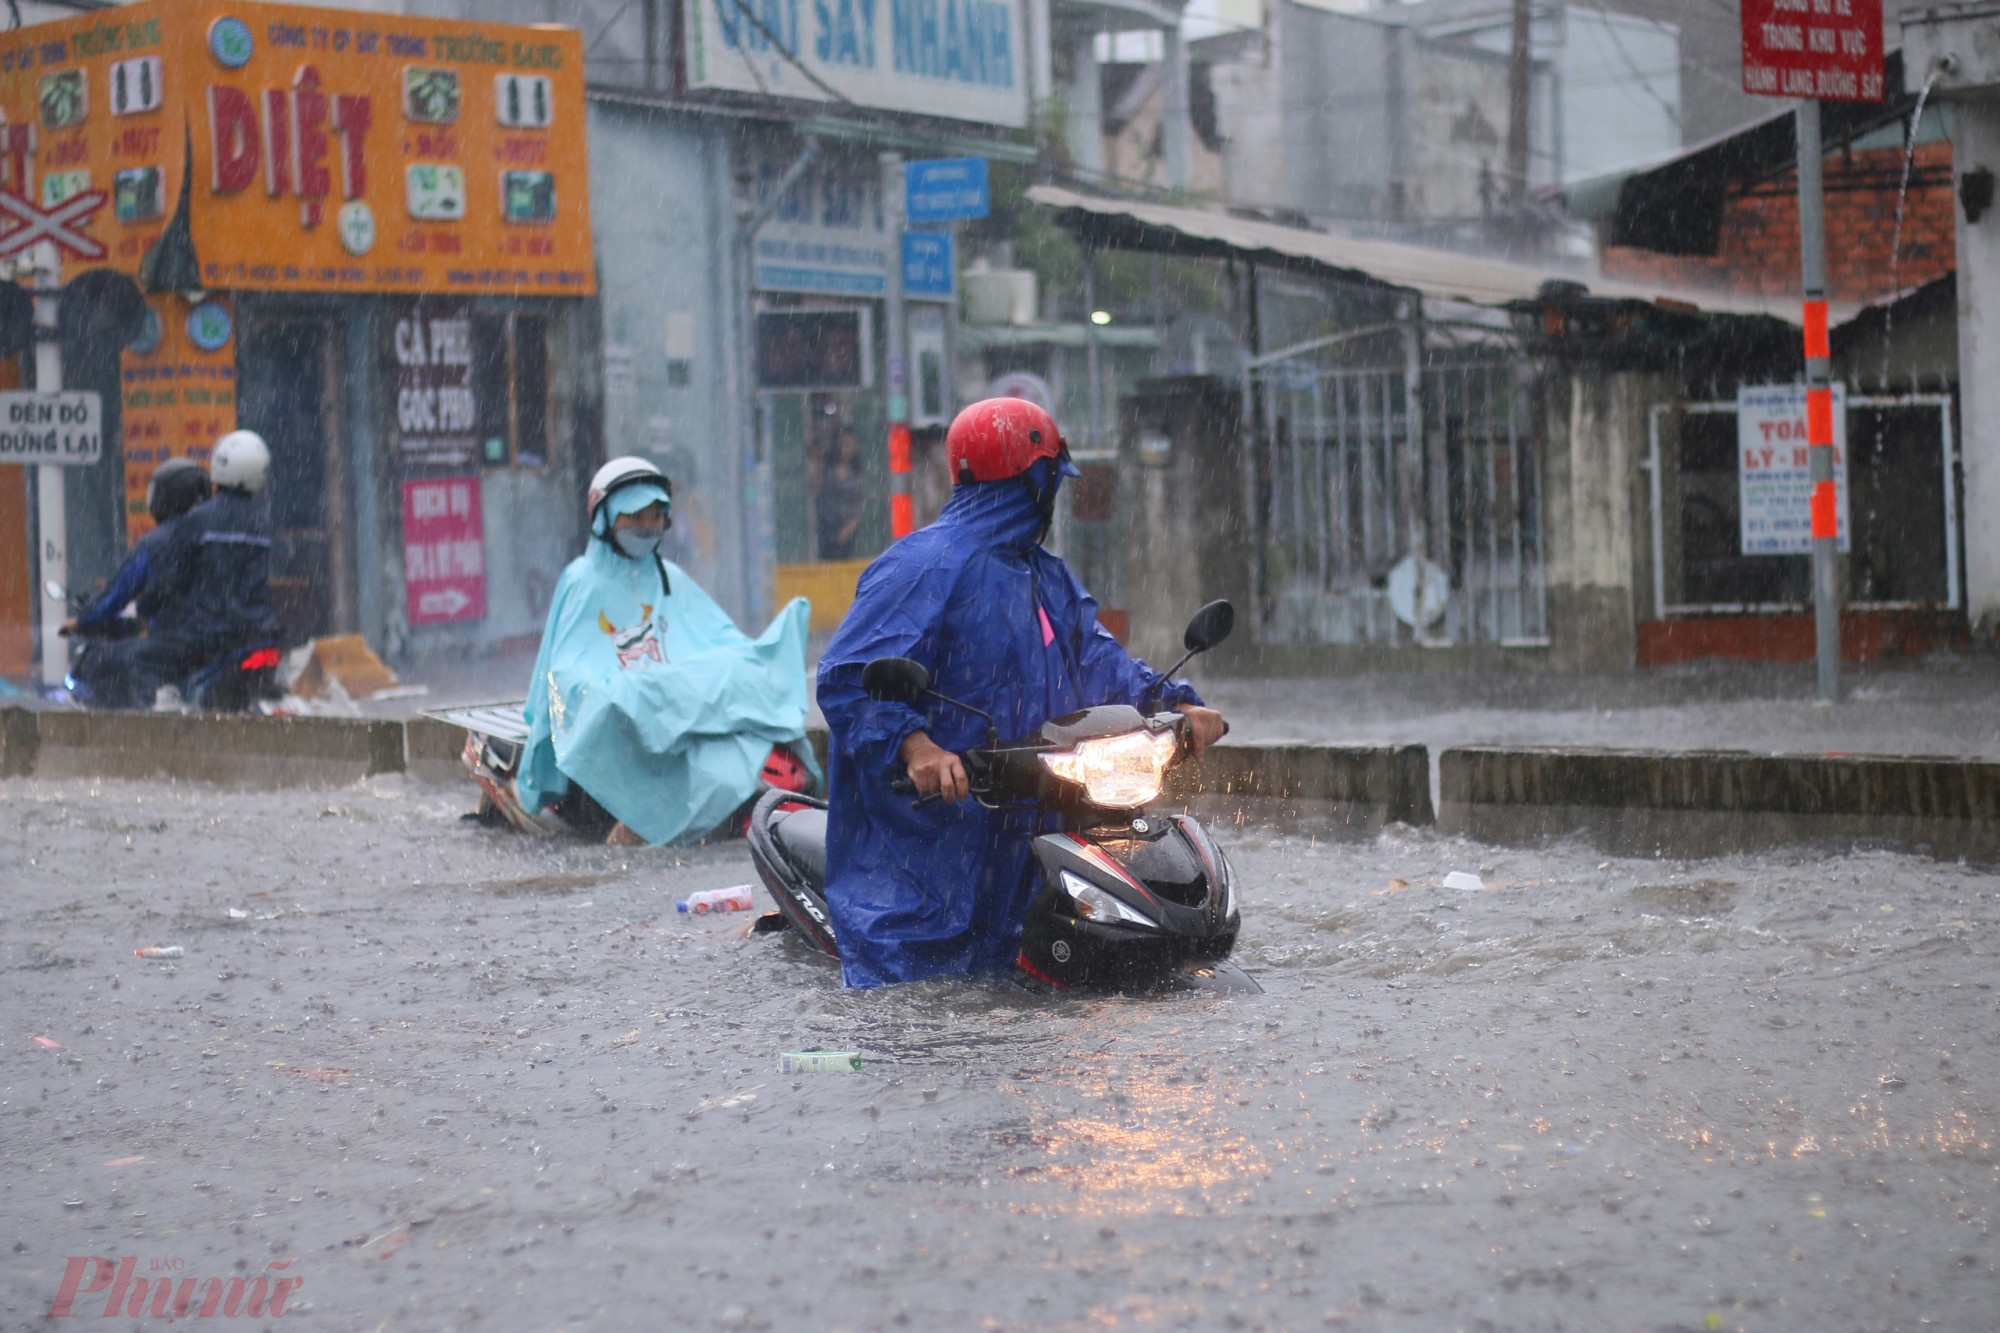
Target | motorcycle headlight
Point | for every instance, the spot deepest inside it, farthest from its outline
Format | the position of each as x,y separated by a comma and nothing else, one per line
1094,904
1117,772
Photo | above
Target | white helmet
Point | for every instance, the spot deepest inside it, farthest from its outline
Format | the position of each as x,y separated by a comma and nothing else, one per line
620,473
240,459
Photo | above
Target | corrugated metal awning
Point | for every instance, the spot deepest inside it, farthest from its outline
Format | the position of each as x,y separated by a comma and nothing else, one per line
1438,274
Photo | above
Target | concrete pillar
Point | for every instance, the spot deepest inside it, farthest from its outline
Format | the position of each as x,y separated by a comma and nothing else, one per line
1086,107
1176,130
1041,71
1593,425
1975,144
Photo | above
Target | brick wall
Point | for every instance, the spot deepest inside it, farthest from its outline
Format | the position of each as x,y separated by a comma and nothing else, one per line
1759,248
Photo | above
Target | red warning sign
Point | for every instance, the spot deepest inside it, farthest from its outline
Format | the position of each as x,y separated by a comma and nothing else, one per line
1830,50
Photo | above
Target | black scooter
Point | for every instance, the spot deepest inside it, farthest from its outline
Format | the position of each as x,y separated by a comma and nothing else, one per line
1128,900
236,682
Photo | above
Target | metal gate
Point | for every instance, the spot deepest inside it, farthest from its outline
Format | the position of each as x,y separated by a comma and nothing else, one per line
1352,472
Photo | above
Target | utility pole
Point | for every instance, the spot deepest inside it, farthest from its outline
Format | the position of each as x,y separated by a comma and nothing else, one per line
51,509
1520,91
902,505
1819,402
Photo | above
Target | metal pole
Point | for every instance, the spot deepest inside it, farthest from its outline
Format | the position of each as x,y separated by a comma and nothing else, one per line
1819,403
51,509
752,497
902,506
1090,356
948,398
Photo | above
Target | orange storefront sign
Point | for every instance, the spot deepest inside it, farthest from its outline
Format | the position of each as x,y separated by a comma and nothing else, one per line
314,149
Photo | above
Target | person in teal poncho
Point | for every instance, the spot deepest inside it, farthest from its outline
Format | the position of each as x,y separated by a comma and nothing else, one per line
650,714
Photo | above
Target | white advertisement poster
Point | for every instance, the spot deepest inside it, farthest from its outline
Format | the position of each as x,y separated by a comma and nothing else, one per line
1774,480
965,59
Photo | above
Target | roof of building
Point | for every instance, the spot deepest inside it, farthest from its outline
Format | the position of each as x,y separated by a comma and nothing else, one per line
1439,274
1673,204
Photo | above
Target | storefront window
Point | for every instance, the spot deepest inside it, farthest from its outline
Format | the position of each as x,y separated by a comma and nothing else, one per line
510,375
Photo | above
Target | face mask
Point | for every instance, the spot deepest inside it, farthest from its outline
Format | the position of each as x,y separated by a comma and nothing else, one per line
640,542
1043,481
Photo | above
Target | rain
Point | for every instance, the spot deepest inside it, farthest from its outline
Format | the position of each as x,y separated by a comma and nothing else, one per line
999,664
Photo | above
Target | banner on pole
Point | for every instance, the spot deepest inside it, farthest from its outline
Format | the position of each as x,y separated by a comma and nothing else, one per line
1830,50
1774,477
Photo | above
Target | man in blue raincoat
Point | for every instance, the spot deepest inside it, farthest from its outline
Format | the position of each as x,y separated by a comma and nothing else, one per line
919,891
649,711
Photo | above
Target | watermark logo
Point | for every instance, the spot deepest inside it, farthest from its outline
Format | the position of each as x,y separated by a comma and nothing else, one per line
164,1294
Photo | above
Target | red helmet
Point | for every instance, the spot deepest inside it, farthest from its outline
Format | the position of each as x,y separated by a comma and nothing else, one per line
999,438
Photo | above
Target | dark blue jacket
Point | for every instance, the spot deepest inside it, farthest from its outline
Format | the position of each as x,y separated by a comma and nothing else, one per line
1000,623
133,581
214,587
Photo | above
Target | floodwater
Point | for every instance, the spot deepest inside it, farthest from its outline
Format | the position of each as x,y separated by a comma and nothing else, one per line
453,1078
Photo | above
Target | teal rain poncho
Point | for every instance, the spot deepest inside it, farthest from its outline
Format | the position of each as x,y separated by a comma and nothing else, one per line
654,701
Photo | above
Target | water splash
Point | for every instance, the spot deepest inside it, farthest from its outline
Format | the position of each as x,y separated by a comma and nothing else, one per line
1902,199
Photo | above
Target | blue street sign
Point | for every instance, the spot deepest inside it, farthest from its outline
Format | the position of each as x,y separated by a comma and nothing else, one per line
928,270
945,189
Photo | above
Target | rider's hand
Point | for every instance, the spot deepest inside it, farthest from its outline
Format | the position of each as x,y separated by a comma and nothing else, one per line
68,628
935,770
1204,726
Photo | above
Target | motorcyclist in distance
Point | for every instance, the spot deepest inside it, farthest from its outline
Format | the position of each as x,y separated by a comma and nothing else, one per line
213,592
1003,625
177,485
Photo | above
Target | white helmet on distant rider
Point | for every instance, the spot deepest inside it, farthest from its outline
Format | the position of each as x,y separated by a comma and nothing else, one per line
240,461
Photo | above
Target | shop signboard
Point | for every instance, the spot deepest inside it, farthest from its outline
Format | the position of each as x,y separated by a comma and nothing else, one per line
437,415
315,149
961,59
444,551
179,392
826,236
1774,483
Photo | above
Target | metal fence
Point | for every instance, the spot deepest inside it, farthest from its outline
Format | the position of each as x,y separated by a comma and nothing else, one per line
1352,472
1903,512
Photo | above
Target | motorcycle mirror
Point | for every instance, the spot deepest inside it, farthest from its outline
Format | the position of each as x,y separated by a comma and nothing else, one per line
1210,626
55,591
895,680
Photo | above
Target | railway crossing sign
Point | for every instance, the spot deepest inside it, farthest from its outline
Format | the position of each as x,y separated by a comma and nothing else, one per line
58,223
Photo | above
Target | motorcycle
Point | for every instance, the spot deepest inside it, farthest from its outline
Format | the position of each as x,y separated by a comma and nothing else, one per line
496,740
236,682
1128,899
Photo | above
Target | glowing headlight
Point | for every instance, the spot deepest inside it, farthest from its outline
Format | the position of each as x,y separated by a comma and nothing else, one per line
1117,772
1094,904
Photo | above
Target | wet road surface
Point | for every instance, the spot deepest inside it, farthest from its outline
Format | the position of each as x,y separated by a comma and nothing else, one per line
453,1078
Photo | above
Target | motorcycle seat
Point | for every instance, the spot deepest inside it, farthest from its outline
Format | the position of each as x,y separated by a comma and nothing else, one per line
802,836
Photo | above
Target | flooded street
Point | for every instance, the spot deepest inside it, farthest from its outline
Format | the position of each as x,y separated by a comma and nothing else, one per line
453,1078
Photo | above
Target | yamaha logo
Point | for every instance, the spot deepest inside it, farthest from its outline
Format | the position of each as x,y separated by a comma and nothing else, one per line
1060,951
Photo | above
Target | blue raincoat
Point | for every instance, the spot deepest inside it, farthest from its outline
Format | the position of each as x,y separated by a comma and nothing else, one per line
654,701
918,891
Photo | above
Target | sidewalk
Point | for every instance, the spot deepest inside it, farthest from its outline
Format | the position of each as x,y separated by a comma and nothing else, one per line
1940,706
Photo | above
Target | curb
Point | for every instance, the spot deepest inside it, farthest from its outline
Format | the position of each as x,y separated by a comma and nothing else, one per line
1633,802
265,751
1700,803
1361,787
1365,786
